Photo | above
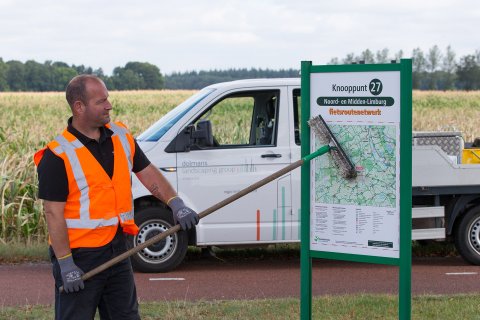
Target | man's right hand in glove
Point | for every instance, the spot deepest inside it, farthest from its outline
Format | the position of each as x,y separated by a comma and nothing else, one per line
71,274
183,215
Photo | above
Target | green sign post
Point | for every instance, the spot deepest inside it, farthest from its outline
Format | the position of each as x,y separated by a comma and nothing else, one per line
368,219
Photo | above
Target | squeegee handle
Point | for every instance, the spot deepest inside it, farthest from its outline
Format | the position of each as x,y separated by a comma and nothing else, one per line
204,213
319,152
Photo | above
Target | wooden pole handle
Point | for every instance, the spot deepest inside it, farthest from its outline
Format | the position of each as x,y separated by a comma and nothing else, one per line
201,215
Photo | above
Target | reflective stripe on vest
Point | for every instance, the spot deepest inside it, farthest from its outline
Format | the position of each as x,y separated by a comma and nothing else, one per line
122,134
84,222
125,216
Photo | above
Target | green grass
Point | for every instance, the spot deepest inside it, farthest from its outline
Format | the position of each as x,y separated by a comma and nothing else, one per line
17,252
359,307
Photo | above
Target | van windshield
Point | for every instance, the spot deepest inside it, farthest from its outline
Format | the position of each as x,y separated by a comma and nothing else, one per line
159,128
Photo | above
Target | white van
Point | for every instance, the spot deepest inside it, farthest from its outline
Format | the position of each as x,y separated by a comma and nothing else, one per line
219,141
231,135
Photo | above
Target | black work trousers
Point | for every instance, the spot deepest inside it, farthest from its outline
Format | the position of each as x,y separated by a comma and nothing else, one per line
112,291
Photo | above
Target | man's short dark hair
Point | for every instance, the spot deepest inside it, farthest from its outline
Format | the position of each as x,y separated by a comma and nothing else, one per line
76,88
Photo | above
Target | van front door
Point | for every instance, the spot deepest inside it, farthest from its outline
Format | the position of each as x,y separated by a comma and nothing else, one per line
246,147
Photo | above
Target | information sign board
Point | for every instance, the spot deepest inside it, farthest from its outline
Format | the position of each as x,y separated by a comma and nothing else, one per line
368,108
361,216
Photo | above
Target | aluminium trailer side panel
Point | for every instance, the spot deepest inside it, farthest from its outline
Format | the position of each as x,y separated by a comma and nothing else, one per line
432,167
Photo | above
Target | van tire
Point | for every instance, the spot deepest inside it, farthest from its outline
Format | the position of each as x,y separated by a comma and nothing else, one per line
162,256
467,236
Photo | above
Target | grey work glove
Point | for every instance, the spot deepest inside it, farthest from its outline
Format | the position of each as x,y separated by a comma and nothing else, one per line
71,275
183,215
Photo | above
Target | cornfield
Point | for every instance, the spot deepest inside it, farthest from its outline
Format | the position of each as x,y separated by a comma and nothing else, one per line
29,120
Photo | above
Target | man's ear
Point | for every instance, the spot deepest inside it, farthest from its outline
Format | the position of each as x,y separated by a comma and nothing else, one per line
78,107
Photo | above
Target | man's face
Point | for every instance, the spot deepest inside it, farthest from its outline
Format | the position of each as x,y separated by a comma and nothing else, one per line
97,108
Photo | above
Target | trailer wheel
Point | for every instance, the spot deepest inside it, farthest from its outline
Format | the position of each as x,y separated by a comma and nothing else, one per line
467,236
165,255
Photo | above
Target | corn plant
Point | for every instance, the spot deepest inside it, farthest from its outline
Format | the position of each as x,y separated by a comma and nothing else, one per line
30,120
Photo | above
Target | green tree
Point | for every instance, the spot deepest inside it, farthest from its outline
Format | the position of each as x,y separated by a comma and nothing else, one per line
60,64
16,75
468,72
349,59
367,56
382,56
434,57
334,61
126,79
418,68
399,55
3,76
37,76
109,83
149,73
449,68
61,76
81,69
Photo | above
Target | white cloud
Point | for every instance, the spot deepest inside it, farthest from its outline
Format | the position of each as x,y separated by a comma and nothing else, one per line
192,34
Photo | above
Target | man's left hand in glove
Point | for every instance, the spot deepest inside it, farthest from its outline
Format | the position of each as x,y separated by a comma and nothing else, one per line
183,215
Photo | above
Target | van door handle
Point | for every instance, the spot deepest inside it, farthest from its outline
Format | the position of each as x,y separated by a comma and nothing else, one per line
271,155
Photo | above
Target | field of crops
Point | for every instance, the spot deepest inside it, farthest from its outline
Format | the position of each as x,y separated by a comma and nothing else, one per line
29,120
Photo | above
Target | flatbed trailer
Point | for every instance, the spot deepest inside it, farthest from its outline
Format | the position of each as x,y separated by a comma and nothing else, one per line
446,191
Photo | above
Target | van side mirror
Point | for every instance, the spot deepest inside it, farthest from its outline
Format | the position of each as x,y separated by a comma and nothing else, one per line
192,137
182,142
202,136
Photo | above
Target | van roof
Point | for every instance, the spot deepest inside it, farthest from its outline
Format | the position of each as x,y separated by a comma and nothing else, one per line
258,82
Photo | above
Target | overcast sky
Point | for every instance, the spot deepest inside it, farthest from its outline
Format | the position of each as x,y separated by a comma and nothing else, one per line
185,35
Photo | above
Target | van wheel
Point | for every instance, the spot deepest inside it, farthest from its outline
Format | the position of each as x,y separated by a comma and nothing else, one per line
467,236
164,255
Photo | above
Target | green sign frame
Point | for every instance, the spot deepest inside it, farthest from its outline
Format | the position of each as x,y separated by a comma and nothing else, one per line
405,250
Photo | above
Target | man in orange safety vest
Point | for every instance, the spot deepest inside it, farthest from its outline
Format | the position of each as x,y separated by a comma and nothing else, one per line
85,183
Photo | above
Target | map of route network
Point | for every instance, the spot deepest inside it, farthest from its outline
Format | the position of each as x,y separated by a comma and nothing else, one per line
372,150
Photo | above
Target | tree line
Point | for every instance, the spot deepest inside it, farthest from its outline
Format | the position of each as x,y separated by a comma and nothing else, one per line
201,79
54,76
433,69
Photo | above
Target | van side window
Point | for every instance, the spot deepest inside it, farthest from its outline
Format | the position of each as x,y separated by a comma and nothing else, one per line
243,119
297,112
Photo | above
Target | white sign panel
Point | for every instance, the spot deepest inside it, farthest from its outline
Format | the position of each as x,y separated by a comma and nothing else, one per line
359,216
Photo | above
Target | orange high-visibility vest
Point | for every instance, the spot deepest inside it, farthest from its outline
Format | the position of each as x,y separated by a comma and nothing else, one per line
96,203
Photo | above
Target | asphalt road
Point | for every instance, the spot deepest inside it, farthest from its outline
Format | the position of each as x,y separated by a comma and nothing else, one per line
208,279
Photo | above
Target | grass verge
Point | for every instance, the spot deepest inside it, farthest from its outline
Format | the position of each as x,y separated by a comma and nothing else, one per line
327,307
14,252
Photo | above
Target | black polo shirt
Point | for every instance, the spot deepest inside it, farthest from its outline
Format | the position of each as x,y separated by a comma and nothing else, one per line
52,176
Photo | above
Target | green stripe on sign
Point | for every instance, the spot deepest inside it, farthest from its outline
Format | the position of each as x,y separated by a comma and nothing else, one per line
274,224
283,213
299,223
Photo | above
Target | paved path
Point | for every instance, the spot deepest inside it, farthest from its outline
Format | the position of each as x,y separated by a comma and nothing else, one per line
209,279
